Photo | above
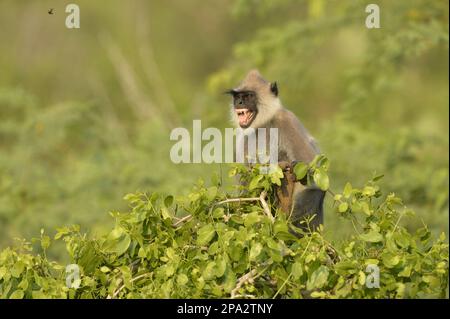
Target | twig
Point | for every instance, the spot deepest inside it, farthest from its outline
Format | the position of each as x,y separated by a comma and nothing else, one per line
179,221
265,206
290,274
242,280
244,296
261,199
231,200
123,286
398,220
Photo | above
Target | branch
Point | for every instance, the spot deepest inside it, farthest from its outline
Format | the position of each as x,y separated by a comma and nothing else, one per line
261,199
232,200
244,296
265,206
123,286
181,220
247,277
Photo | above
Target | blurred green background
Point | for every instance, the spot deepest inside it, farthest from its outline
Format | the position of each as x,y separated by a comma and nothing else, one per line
85,114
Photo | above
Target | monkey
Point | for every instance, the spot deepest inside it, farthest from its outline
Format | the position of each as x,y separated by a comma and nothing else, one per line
256,104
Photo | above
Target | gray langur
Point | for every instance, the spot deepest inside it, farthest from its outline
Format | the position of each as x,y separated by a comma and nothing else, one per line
255,104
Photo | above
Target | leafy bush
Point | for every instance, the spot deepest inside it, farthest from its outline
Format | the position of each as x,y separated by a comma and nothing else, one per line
209,245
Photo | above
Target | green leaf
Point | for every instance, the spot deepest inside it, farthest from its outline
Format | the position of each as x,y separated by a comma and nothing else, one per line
254,183
318,279
433,281
276,176
346,267
280,226
347,190
321,179
377,178
213,248
169,270
237,219
324,163
343,207
406,272
369,191
221,267
205,234
424,234
218,212
18,294
37,294
251,219
182,279
17,269
89,258
401,239
371,261
117,241
297,270
211,193
372,237
3,271
165,213
122,244
390,260
361,278
300,170
210,271
168,201
105,269
45,242
365,208
255,251
23,284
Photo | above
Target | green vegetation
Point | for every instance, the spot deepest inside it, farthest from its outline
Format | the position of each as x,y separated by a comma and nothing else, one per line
207,245
85,117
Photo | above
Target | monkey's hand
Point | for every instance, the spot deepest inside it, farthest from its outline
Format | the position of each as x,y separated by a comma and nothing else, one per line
288,170
304,180
285,166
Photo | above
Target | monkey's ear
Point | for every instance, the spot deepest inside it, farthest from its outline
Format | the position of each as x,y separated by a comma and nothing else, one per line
274,88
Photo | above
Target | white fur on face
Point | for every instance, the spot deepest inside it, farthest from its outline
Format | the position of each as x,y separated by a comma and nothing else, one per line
266,111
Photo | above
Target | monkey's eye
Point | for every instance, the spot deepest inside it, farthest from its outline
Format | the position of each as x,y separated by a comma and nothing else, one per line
248,95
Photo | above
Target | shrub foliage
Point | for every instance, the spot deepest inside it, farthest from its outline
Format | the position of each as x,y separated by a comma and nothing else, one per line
210,244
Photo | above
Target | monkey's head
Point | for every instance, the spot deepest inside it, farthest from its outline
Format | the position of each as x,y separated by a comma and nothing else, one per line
255,101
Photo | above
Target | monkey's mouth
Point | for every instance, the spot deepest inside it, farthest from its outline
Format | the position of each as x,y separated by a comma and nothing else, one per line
245,117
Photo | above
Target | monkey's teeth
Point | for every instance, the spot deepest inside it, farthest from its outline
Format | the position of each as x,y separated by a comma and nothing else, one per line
242,112
245,116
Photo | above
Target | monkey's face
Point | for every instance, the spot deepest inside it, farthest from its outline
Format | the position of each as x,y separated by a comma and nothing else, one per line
245,105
